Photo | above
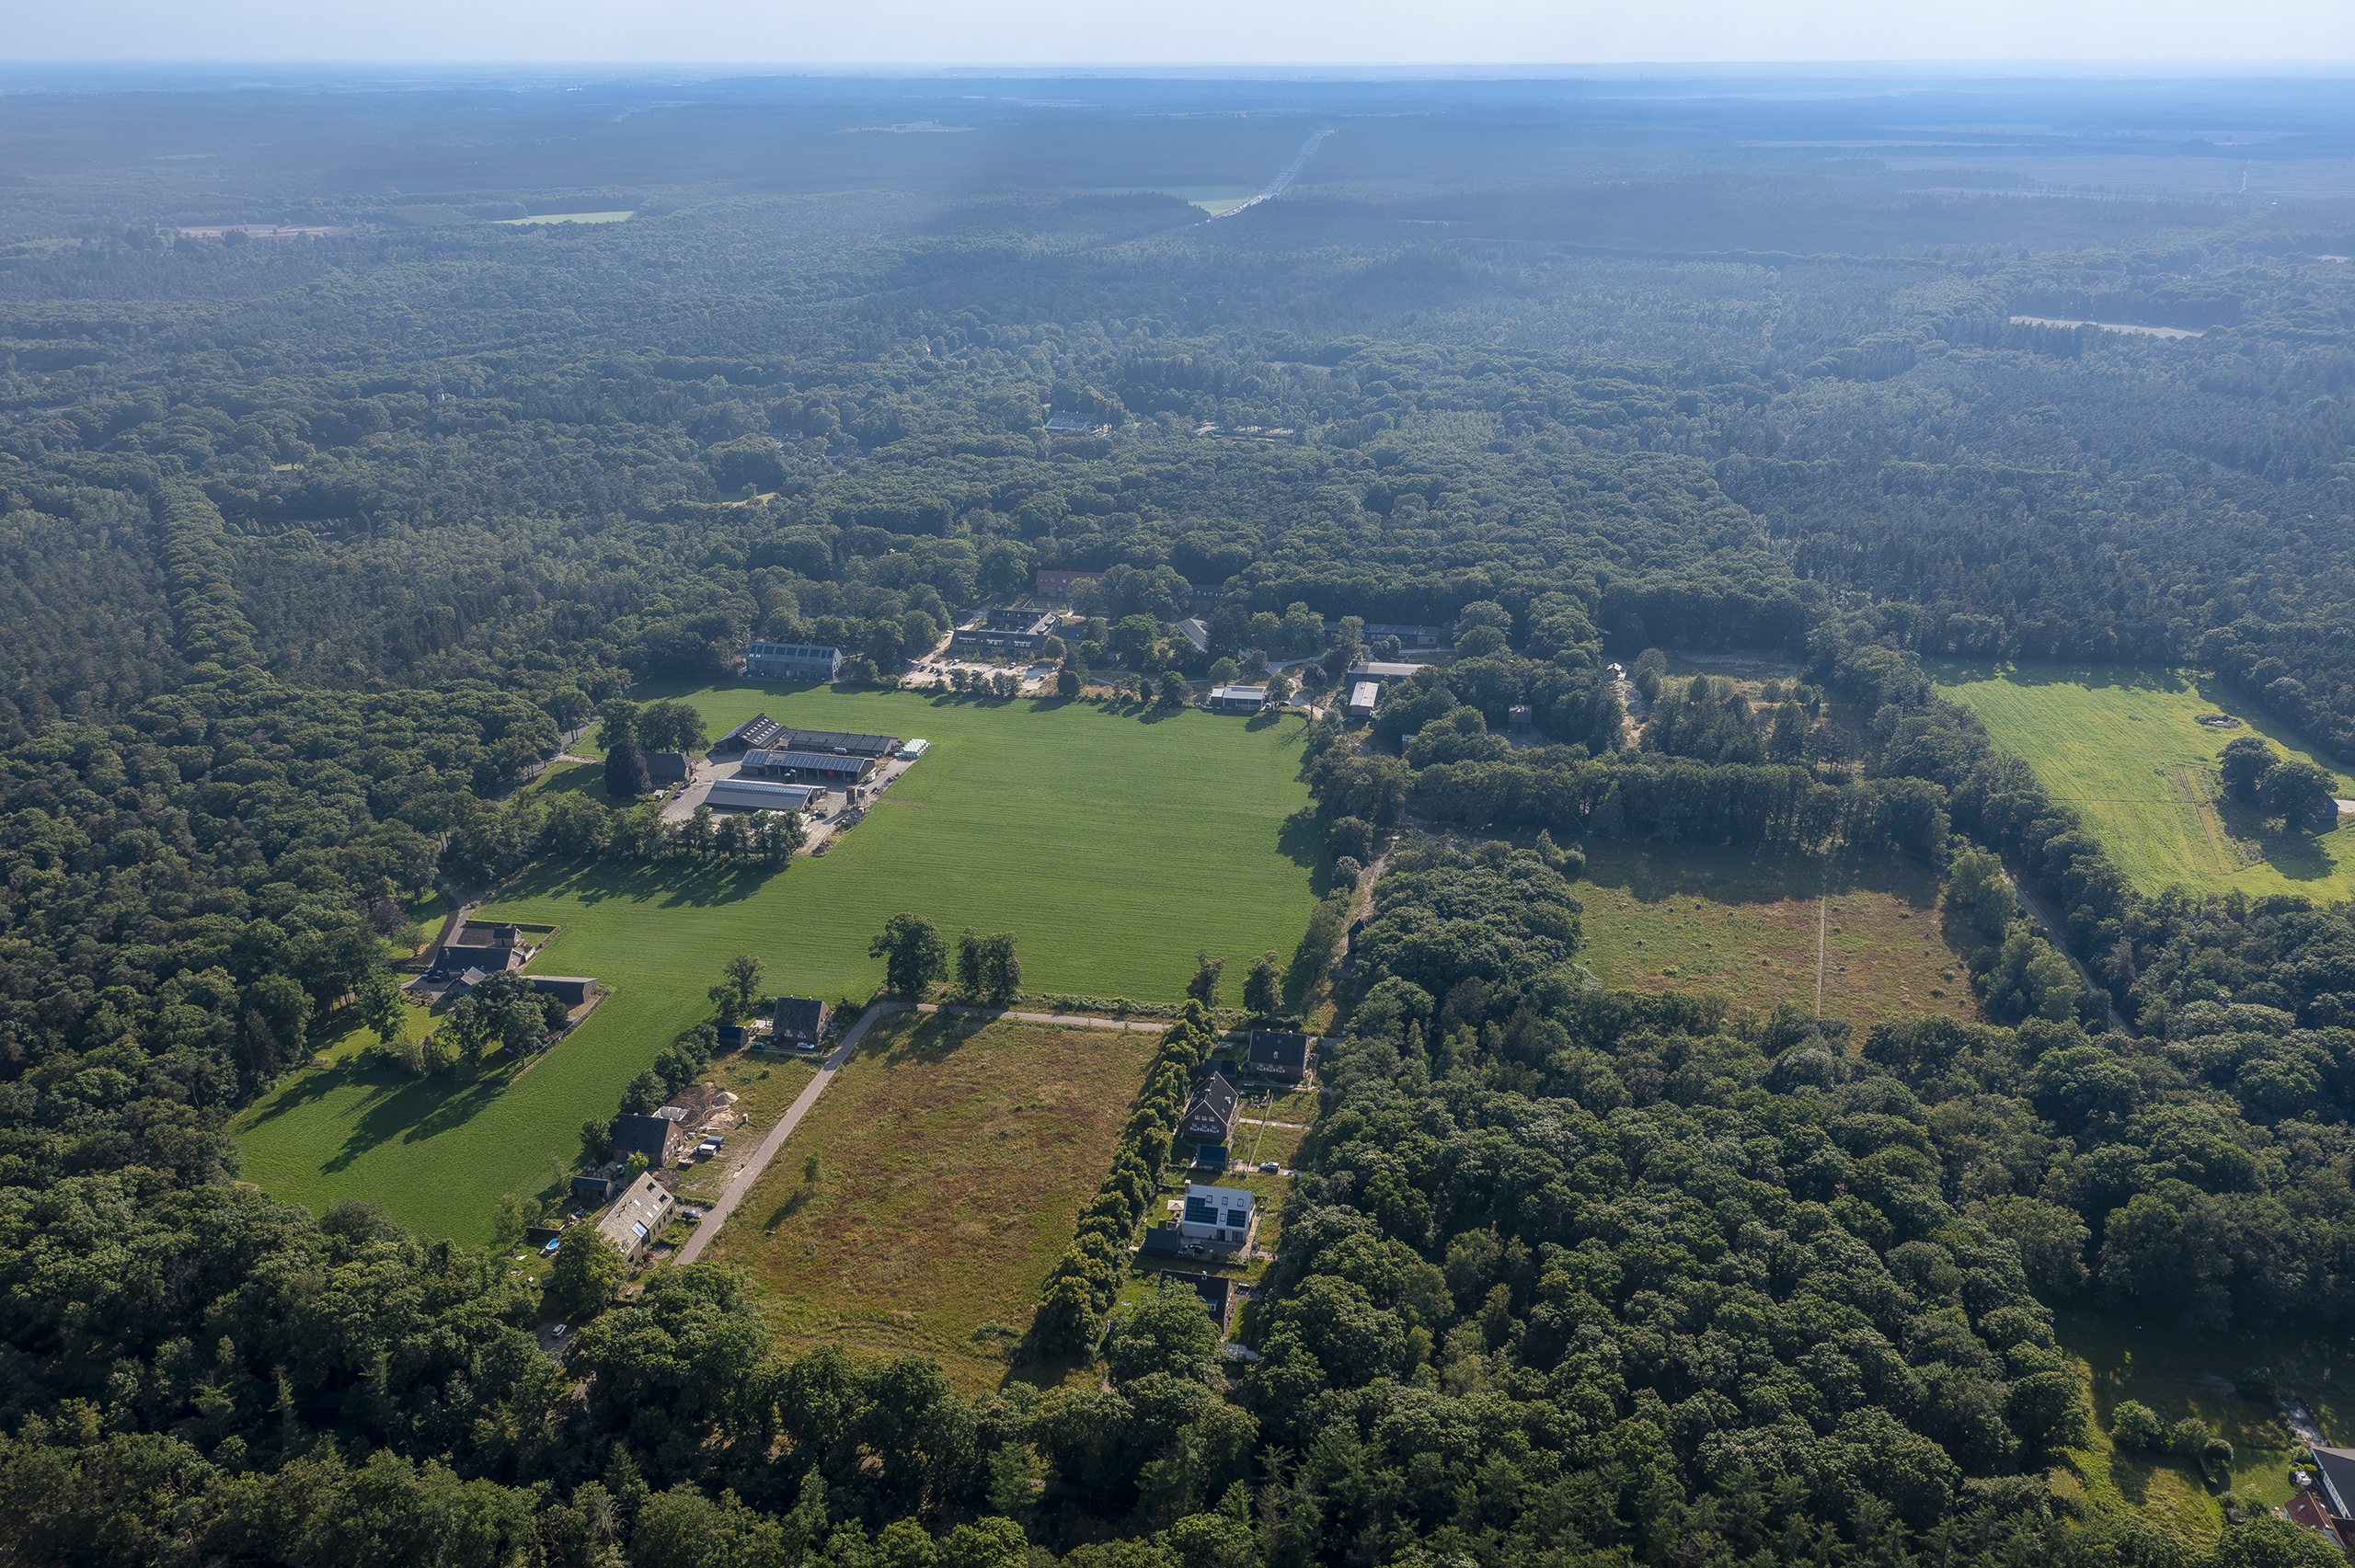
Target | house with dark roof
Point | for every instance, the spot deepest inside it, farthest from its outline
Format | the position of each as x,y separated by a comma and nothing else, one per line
571,990
1053,583
1215,1291
1282,1056
792,661
802,1021
657,1137
1004,633
1211,1118
668,767
2334,1474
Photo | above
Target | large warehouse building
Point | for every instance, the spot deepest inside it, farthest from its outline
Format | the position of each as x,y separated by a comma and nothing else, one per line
793,661
807,767
762,795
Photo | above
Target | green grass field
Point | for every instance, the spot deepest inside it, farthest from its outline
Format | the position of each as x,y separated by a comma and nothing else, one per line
2120,746
1113,846
1694,920
572,218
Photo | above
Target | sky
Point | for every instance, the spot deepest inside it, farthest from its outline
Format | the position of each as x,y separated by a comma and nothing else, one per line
2173,36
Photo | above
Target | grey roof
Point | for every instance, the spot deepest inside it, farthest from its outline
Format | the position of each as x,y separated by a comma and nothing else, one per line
1270,1049
2337,1467
1380,671
1215,1097
802,1017
824,761
649,1136
831,739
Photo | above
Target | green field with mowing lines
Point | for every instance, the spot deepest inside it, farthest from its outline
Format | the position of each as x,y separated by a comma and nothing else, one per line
2120,746
1113,846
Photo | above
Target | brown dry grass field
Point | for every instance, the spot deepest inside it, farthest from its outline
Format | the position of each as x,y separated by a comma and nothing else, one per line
957,1152
1663,918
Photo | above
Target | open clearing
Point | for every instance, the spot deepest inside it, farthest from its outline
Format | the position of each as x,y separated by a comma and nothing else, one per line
2120,746
957,1152
1215,200
1712,920
572,218
2179,1374
1113,846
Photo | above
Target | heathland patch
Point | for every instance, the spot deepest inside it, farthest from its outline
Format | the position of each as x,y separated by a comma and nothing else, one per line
953,1153
1762,929
1113,846
2125,747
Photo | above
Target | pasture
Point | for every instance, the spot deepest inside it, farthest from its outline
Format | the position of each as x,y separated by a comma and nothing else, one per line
1695,919
571,218
955,1154
2121,747
1114,846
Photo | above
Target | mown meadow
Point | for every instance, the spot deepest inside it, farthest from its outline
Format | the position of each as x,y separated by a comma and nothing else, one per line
1113,844
2122,745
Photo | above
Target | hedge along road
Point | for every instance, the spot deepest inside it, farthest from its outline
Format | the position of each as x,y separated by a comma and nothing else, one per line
750,1171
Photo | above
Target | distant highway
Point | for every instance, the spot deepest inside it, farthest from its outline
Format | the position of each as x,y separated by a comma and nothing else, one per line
1275,187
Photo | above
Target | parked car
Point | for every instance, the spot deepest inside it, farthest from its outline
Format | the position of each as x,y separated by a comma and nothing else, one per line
1269,1168
557,1333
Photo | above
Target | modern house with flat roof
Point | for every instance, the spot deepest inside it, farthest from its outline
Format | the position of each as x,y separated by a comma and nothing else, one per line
636,1217
793,661
1221,1215
1236,699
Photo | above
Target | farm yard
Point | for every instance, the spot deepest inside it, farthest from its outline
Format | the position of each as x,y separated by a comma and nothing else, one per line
1135,842
1690,920
2121,746
953,1155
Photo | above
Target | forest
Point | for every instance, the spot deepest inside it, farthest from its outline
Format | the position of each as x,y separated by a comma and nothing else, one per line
318,549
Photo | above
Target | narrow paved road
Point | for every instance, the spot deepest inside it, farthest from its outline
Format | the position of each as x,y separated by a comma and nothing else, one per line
2053,934
750,1171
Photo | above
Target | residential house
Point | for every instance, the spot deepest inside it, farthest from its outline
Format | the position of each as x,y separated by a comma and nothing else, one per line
636,1217
1215,1291
1236,699
1282,1056
657,1137
803,1021
1006,633
1196,631
1211,1118
1052,584
1220,1216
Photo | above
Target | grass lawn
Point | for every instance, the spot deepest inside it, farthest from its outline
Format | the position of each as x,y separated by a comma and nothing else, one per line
957,1154
2179,1374
1700,919
2120,746
1114,846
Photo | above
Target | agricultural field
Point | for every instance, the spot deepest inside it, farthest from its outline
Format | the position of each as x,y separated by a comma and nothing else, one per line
2178,1374
955,1153
1695,920
1113,846
2121,747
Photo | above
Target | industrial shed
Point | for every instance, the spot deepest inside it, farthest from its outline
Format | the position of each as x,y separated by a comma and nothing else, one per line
761,795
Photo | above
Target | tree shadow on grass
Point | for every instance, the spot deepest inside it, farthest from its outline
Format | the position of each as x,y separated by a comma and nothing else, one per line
1654,873
416,1109
2298,857
670,884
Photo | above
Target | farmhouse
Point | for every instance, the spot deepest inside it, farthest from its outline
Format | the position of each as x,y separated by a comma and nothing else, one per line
806,767
1211,1118
1058,584
803,1020
762,795
758,730
571,990
1006,633
636,1217
669,767
1236,699
793,661
1221,1215
1284,1057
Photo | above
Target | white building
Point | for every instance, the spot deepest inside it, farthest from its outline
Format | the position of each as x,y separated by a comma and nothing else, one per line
1216,1214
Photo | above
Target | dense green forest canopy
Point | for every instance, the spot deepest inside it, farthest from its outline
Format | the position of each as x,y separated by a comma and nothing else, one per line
318,544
